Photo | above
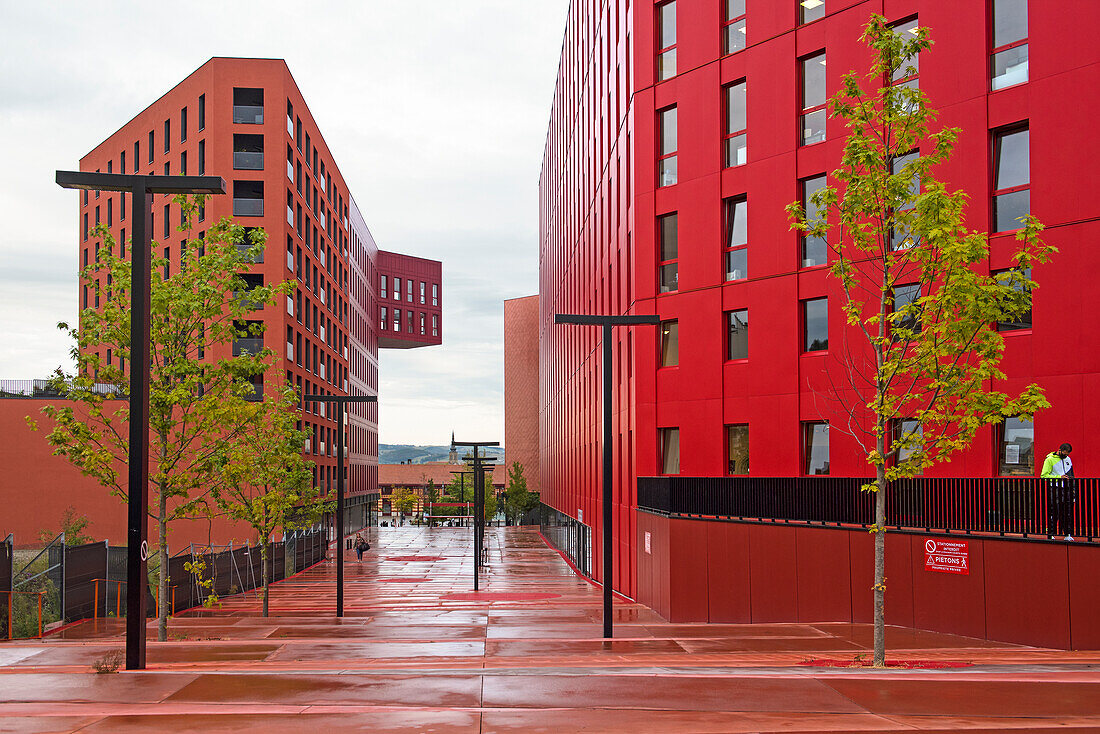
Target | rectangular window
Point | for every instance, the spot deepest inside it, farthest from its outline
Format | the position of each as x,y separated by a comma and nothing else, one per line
397,319
183,163
248,152
122,162
905,304
423,293
248,198
289,118
248,106
150,147
815,325
383,288
669,445
110,212
167,135
810,10
815,448
909,430
813,99
901,237
423,329
1011,178
737,449
907,30
737,334
670,343
435,324
384,317
666,153
736,139
1024,320
668,253
815,251
435,294
183,124
167,260
122,206
86,228
409,290
1008,58
396,288
202,112
167,223
1016,447
202,157
666,40
737,238
409,321
733,27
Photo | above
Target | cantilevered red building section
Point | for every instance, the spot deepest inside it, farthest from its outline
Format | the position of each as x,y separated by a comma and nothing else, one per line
678,133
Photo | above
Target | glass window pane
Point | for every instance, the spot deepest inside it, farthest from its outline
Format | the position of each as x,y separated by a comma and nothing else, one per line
667,24
670,450
1023,321
816,324
670,343
737,264
816,448
737,222
910,430
1010,67
814,249
737,342
1009,208
737,150
1009,21
813,127
735,37
737,449
734,9
666,171
1017,450
907,31
666,65
668,229
668,130
668,277
735,108
905,296
813,81
1013,164
811,10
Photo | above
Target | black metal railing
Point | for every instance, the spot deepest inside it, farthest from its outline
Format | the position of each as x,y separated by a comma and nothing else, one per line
570,536
1025,506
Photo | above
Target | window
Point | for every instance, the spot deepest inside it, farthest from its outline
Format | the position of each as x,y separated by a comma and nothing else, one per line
908,429
1011,178
289,118
396,288
815,251
384,318
733,27
423,330
183,162
167,261
423,293
86,228
183,124
1024,320
815,325
110,212
737,449
810,10
122,206
668,249
248,152
737,238
670,343
167,135
666,40
384,287
248,106
815,448
167,224
1008,58
202,157
1016,447
435,294
248,198
202,112
736,139
737,334
907,30
150,147
905,303
813,99
668,440
409,290
409,320
435,324
901,237
666,154
122,162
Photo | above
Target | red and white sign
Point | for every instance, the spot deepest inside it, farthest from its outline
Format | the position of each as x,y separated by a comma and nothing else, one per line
648,543
947,556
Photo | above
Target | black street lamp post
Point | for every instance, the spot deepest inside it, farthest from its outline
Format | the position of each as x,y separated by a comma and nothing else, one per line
479,501
137,532
341,401
607,322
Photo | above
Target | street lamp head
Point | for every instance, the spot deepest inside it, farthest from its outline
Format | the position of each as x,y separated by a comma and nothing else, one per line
151,184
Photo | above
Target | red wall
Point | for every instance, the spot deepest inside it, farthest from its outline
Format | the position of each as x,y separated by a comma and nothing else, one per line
521,386
599,204
1032,593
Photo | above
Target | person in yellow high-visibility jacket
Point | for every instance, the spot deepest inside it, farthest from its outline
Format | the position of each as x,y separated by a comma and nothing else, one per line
1062,493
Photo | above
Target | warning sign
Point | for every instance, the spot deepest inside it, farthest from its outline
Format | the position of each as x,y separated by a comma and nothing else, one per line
648,543
947,556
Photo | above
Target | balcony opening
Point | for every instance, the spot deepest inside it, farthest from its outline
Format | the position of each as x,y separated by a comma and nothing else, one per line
248,106
248,198
248,152
252,281
249,339
246,244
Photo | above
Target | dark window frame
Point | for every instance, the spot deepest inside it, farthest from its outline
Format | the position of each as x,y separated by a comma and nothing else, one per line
734,20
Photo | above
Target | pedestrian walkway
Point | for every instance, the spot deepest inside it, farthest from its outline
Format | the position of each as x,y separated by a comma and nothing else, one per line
418,651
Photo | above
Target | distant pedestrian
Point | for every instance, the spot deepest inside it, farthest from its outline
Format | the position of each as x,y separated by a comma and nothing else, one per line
1061,492
360,545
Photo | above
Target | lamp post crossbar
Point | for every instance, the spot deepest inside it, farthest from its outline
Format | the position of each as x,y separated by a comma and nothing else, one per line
341,401
137,460
607,323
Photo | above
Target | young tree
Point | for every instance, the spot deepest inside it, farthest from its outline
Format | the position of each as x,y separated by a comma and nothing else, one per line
196,404
919,350
264,479
73,525
518,500
403,500
491,503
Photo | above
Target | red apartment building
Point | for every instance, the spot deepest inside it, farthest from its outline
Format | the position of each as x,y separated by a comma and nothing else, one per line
679,131
521,386
246,121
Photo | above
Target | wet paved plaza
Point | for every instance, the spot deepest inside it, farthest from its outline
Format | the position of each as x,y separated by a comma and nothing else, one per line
419,652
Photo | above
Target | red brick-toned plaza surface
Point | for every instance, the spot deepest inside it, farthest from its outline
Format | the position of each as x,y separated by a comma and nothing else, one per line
418,652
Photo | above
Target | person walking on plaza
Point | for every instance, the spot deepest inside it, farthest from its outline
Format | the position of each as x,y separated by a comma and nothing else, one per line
1062,491
360,545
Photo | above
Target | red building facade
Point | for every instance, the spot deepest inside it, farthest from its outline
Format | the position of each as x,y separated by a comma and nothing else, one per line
521,386
246,121
680,131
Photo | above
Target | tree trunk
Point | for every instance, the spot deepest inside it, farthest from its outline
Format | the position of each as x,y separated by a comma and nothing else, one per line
162,553
263,560
880,560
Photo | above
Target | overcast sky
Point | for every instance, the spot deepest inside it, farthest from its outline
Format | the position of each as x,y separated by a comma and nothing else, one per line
435,111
